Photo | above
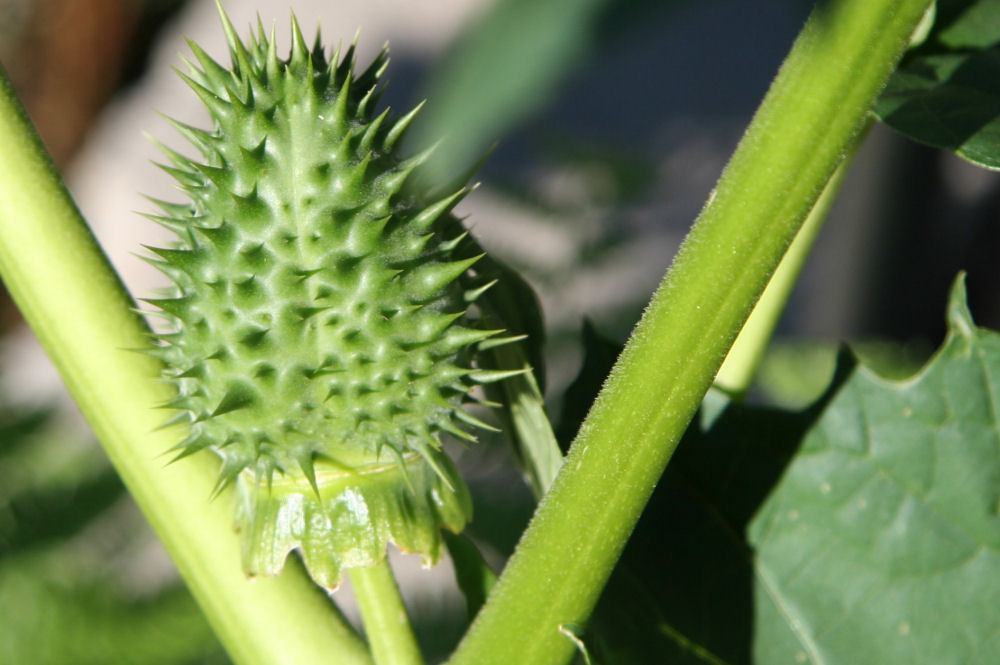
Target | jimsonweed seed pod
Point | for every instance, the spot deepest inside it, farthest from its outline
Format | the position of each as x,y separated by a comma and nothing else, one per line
319,331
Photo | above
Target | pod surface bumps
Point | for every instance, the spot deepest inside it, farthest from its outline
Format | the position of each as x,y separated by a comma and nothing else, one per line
319,333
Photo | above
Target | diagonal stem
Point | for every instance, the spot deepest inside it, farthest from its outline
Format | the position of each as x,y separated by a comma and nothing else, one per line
737,372
809,120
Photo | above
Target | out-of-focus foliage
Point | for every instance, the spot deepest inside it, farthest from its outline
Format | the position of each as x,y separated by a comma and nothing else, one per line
502,70
794,374
70,588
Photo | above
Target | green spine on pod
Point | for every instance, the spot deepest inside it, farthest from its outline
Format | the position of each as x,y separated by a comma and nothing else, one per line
318,327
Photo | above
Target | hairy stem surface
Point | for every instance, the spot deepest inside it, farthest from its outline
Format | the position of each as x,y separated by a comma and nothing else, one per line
808,121
737,372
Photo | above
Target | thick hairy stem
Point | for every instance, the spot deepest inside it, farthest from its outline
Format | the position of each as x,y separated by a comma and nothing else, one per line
737,372
811,116
74,301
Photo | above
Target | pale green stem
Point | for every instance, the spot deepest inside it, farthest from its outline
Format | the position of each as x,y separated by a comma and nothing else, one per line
386,622
741,363
808,121
78,308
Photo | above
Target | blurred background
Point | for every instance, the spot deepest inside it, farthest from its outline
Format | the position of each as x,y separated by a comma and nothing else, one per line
609,122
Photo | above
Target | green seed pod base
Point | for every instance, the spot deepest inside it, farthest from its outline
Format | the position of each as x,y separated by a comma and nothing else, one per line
319,323
351,517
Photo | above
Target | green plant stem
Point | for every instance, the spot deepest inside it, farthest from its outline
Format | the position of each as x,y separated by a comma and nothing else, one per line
737,371
808,121
386,622
78,308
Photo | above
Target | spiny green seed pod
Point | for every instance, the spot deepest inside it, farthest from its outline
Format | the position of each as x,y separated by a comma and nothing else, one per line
320,337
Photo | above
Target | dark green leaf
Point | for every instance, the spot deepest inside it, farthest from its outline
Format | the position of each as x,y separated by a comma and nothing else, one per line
863,530
511,304
950,101
599,355
965,24
44,516
881,543
514,304
17,428
946,94
526,422
474,576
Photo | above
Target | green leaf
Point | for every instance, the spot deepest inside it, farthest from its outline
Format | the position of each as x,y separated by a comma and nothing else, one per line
536,449
512,304
599,355
947,93
965,24
950,101
881,543
861,530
